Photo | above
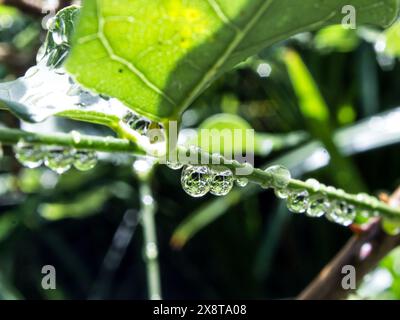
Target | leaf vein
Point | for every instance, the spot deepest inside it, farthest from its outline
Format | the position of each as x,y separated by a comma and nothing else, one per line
113,56
221,14
211,73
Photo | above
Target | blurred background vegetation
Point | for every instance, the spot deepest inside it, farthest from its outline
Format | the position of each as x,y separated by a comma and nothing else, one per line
245,245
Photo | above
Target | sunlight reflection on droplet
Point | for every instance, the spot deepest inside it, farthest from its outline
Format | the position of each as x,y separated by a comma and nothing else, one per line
264,70
142,166
148,200
151,250
49,179
380,45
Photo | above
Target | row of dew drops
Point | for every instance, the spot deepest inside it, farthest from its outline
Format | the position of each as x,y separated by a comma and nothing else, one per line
61,159
198,180
58,159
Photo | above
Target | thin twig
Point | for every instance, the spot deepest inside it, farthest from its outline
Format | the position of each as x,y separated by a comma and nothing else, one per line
77,141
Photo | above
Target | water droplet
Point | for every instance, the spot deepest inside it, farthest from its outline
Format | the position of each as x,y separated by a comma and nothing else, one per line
330,189
196,180
280,176
151,250
341,213
29,155
282,193
298,201
242,182
85,160
222,181
216,158
59,160
367,199
340,192
137,123
143,166
76,136
174,165
314,184
363,213
50,23
266,185
319,205
154,132
129,118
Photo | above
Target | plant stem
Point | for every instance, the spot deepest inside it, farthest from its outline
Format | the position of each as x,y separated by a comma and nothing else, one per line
109,144
106,144
150,241
262,177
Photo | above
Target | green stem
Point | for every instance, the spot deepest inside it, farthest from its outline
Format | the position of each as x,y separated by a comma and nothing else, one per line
262,177
150,241
108,144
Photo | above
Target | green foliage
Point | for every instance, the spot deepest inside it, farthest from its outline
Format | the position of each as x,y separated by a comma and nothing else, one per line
336,38
121,50
391,38
85,205
317,116
157,57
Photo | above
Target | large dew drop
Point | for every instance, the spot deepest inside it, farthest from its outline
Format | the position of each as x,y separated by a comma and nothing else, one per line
137,123
85,160
29,155
280,176
341,213
59,160
174,165
319,205
222,181
298,201
196,180
314,184
282,193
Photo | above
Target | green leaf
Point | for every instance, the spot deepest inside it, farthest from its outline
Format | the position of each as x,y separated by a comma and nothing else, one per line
391,227
316,114
336,38
83,206
158,56
392,38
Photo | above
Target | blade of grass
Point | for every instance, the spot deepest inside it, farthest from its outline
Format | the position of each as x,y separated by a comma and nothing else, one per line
317,116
